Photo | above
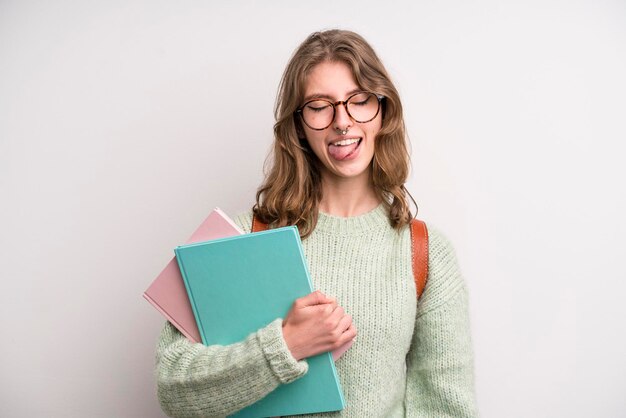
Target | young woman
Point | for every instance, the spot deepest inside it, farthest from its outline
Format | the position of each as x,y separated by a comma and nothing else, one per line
337,171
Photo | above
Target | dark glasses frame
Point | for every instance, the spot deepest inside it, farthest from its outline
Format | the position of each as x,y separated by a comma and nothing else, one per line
379,97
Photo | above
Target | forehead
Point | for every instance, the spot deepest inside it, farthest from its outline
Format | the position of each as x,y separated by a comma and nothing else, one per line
332,80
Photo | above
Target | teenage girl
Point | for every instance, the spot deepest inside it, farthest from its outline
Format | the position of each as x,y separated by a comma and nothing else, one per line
338,168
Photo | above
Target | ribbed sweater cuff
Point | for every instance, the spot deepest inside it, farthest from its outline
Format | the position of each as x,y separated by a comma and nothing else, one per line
285,367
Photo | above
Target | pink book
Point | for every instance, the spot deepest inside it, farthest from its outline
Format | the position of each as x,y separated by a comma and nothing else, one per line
168,294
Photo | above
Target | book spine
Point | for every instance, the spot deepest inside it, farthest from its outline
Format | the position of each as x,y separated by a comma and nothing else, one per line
329,354
303,258
192,301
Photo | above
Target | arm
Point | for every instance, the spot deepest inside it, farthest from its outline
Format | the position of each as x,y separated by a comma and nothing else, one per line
196,380
440,376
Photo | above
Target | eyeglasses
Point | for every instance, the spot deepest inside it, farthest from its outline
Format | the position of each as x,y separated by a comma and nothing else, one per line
362,107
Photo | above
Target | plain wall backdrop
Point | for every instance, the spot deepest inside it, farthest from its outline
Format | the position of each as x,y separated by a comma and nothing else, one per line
123,123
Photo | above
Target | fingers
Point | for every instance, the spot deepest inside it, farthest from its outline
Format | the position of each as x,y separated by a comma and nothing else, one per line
345,331
344,324
336,315
340,327
314,298
350,333
317,324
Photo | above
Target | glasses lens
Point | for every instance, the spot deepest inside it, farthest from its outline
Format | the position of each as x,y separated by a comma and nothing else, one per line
363,107
318,114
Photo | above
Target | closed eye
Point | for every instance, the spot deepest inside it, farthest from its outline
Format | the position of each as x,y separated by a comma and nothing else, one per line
314,108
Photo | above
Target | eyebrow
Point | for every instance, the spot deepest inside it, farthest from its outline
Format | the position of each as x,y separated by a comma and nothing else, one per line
330,98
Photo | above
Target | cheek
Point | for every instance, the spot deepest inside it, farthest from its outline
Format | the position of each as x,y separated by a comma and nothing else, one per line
374,128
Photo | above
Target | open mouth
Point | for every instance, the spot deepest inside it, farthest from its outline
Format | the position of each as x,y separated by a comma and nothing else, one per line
346,142
342,149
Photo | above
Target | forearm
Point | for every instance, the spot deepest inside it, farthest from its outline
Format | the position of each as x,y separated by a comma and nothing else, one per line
196,380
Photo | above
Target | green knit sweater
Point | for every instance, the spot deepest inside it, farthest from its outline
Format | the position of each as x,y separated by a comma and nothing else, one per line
409,359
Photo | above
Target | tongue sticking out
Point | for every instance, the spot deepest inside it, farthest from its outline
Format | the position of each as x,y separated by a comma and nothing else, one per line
340,152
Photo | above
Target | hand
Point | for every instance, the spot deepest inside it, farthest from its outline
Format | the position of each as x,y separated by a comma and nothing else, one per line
316,324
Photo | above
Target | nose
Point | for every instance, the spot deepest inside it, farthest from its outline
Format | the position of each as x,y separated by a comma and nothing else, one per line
342,119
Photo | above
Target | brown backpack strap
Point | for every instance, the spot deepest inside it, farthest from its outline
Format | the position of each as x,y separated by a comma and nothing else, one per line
258,226
419,254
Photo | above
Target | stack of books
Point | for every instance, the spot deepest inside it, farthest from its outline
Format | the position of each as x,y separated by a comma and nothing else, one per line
224,285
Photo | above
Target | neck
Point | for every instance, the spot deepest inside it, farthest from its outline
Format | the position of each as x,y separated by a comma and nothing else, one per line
347,197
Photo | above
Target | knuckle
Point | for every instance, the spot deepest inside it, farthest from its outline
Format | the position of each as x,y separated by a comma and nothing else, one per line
329,324
337,344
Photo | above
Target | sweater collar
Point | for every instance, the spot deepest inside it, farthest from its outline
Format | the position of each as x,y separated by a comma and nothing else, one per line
375,219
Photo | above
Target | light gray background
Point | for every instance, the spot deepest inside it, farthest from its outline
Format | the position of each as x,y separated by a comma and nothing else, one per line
122,123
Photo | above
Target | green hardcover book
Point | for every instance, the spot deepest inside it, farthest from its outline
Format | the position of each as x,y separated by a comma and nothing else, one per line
240,284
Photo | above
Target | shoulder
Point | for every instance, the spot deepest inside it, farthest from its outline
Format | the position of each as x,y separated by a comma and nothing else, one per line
244,221
441,252
444,275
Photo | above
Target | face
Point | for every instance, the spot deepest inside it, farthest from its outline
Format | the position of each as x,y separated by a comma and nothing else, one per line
343,156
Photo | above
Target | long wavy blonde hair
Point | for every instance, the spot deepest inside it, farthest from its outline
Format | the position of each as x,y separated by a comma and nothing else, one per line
292,189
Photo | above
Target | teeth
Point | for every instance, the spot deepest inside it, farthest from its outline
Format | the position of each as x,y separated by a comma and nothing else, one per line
345,142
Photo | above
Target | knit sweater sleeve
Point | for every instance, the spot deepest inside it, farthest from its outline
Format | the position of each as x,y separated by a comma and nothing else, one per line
194,380
440,376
